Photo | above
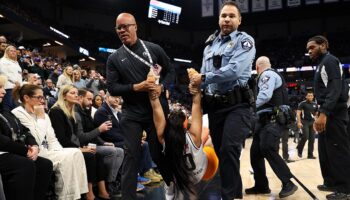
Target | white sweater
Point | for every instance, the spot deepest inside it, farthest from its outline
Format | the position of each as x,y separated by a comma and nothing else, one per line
41,129
12,70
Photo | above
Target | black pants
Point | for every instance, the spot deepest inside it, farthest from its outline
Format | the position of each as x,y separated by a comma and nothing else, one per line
285,137
132,132
265,145
94,167
308,134
23,178
334,152
228,130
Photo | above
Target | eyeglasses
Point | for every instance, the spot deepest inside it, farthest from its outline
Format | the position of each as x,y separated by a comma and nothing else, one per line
40,98
123,26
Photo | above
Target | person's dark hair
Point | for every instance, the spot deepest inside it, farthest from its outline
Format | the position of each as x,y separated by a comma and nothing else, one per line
83,91
231,3
319,39
94,100
175,140
27,89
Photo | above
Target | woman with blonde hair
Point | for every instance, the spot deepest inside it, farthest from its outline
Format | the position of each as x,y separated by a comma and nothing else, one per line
11,69
67,130
77,80
66,78
68,163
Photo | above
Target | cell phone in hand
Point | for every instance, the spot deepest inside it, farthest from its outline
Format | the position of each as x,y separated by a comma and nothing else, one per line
109,117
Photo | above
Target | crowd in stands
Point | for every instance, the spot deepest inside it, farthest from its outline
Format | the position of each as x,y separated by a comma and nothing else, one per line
284,52
70,125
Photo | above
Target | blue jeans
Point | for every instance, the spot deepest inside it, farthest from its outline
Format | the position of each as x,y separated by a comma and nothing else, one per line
146,162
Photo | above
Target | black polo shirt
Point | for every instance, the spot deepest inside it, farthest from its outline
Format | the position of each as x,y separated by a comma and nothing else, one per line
124,70
308,110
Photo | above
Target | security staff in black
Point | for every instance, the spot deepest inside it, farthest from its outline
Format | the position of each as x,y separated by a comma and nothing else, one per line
271,101
127,71
331,94
305,119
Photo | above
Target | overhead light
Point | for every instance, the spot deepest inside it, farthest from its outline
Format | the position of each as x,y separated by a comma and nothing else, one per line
182,60
307,54
46,44
57,42
82,60
84,51
2,16
307,68
91,58
292,69
59,32
108,50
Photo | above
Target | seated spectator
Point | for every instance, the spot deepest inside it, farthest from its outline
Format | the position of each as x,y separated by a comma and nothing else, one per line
65,125
112,156
96,103
11,69
102,93
38,68
110,109
3,45
66,78
25,175
95,82
32,79
77,81
68,163
54,75
49,89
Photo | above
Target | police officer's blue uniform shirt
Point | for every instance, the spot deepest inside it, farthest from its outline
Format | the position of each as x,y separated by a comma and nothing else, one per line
238,52
268,82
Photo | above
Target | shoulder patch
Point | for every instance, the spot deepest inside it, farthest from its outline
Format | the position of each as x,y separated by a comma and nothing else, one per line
265,79
247,44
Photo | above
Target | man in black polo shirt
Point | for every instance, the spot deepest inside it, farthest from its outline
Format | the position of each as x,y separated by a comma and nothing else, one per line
127,71
306,116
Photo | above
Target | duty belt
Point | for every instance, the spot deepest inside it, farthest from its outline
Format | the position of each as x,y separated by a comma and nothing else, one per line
230,98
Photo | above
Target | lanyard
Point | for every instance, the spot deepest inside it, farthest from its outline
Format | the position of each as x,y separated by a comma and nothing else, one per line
150,63
14,135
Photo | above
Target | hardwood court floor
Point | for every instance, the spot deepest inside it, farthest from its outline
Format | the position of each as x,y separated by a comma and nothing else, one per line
306,170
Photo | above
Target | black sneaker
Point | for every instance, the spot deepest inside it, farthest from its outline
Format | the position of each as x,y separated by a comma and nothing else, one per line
288,189
311,157
254,190
325,188
300,155
338,196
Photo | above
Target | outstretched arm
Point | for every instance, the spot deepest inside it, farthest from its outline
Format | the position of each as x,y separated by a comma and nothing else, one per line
158,117
196,123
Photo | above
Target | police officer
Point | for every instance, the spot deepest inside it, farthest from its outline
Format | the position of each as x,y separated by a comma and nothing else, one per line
272,95
305,115
331,94
226,69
